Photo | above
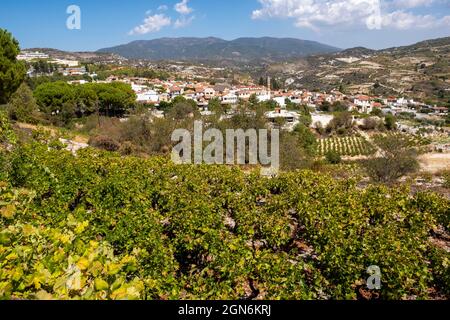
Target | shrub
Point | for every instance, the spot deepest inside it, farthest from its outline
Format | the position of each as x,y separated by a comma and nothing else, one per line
390,122
333,157
341,123
369,124
398,160
127,148
446,177
440,264
104,143
7,135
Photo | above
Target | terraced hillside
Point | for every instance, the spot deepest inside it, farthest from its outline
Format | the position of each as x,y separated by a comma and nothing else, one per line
421,70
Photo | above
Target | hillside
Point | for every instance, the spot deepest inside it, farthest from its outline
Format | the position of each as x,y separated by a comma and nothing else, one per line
79,56
421,70
241,50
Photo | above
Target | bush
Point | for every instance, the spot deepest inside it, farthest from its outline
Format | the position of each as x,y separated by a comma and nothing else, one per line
341,123
127,148
398,160
440,264
369,124
104,143
333,157
307,139
390,122
376,112
7,135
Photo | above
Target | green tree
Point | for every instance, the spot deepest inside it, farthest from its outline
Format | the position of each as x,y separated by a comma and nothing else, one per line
115,98
305,116
290,105
306,138
398,159
339,107
262,82
164,106
325,106
22,105
275,85
268,105
333,157
86,100
253,101
12,71
341,123
214,105
183,109
376,112
51,97
390,122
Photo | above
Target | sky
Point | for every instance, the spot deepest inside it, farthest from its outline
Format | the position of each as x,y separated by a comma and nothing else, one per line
373,24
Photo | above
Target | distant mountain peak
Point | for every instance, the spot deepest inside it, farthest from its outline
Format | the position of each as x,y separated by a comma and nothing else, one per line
212,48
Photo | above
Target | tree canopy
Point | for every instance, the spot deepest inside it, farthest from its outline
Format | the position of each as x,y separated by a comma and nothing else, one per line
22,106
12,71
111,99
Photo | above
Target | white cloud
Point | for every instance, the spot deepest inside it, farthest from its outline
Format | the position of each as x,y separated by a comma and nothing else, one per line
407,4
163,7
183,8
315,14
183,22
404,20
152,24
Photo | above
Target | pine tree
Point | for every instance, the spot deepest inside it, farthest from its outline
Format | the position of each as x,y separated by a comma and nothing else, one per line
12,71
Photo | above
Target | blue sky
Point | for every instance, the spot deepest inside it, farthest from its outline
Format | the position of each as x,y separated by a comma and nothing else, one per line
342,23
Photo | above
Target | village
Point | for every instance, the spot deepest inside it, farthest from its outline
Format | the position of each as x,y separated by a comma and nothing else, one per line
152,92
192,83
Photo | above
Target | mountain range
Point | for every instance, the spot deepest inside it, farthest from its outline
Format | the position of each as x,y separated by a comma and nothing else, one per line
215,49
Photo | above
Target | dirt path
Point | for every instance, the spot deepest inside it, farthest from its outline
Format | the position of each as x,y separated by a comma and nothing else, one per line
76,138
434,162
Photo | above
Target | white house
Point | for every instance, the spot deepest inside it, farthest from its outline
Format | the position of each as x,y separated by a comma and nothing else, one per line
230,98
291,118
401,102
138,88
281,101
68,63
244,94
29,56
363,103
263,96
209,93
149,96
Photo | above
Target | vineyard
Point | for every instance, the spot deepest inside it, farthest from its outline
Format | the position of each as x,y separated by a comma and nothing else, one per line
346,146
101,226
